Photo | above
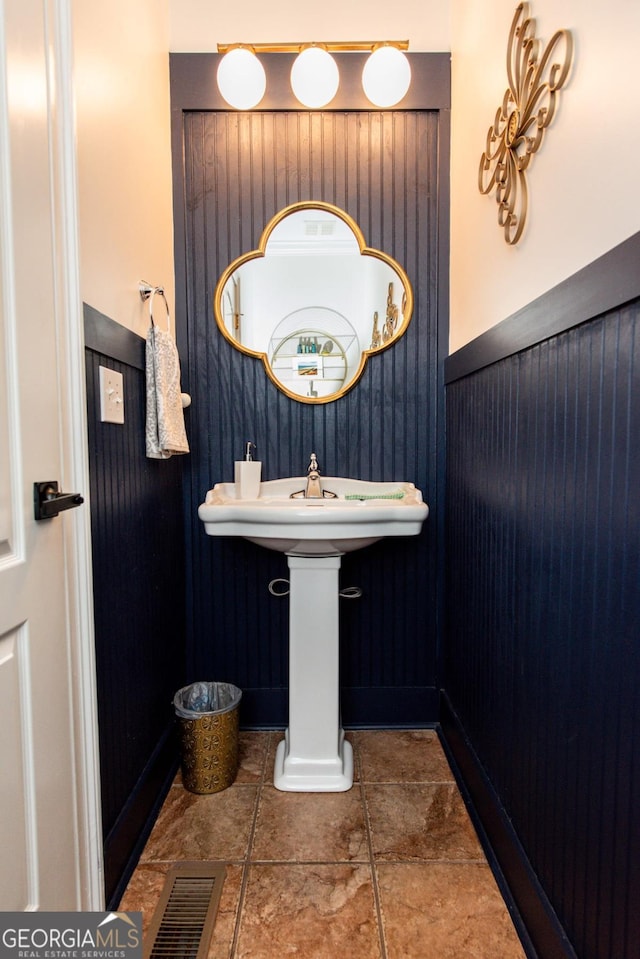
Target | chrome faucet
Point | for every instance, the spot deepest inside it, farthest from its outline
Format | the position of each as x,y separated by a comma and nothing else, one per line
313,489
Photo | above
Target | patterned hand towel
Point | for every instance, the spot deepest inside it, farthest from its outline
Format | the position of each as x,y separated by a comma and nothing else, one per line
165,433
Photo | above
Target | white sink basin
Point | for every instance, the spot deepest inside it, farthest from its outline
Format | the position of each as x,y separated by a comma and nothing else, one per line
315,527
314,756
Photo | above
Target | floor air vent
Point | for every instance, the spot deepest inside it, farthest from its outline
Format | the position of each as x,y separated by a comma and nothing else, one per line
182,924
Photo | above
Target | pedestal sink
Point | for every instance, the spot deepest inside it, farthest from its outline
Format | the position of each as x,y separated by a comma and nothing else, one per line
314,534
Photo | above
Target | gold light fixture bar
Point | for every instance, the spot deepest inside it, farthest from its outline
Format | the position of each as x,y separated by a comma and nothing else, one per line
331,46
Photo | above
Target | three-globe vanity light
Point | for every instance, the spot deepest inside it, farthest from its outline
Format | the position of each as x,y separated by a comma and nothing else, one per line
315,77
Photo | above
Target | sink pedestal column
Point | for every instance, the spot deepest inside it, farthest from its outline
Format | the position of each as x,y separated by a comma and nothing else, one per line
314,755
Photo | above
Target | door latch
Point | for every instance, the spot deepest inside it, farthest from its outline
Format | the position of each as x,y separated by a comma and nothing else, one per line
48,501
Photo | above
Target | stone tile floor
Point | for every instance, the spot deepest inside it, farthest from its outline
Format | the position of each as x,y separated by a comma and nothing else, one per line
391,869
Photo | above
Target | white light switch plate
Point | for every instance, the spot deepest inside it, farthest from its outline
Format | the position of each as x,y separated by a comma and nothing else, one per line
111,396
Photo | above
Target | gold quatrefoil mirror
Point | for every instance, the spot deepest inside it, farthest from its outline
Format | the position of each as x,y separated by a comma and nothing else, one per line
313,302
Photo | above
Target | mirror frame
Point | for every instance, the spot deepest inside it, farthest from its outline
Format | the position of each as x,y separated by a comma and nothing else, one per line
407,309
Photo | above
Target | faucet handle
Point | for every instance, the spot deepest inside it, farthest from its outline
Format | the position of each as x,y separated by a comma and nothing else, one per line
313,464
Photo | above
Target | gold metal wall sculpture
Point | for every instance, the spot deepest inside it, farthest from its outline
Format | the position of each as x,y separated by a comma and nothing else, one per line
527,109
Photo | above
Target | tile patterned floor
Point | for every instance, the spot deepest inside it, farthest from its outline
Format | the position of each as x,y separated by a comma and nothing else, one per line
391,869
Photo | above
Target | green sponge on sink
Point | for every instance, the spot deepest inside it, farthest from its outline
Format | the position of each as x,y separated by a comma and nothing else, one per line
399,494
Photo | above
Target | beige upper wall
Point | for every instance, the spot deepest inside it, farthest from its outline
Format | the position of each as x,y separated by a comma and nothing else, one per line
584,196
198,25
124,155
583,183
123,117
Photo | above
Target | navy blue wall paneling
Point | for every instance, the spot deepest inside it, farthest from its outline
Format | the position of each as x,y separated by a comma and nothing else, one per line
383,169
543,640
138,587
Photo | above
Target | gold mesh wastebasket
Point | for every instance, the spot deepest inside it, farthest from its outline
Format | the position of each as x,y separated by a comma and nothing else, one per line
208,715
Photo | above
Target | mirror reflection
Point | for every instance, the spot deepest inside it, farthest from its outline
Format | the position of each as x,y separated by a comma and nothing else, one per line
313,301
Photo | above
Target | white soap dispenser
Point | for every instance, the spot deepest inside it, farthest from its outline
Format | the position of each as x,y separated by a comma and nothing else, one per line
247,474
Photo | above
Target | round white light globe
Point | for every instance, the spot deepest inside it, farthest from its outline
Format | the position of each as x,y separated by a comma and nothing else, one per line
386,76
315,77
241,79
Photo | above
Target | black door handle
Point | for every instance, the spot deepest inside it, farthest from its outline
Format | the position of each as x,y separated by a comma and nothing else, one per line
48,501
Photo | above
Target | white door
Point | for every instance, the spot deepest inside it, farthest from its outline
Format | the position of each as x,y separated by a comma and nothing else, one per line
49,813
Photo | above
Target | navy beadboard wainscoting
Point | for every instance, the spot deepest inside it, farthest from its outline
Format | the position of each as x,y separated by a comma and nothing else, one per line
541,709
389,170
138,586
